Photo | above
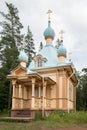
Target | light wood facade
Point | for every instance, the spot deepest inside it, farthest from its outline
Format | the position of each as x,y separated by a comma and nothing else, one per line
47,90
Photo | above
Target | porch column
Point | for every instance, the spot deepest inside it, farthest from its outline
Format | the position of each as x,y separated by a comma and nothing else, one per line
39,95
17,91
20,96
20,91
25,93
43,99
33,89
44,94
39,90
14,93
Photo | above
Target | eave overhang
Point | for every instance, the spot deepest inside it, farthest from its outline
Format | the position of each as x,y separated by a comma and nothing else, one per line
49,81
68,67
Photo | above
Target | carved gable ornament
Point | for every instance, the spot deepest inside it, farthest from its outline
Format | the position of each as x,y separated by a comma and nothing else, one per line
20,71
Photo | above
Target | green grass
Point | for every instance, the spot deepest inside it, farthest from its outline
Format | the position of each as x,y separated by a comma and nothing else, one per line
71,119
56,120
76,117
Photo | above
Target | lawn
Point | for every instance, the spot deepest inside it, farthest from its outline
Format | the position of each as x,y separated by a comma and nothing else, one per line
57,121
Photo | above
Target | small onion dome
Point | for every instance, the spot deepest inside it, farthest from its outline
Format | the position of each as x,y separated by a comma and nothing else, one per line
22,56
62,51
49,32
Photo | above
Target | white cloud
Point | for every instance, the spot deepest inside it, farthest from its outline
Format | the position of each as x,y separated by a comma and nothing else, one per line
70,15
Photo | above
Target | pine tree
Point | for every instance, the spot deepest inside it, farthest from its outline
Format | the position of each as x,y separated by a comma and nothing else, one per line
81,93
10,37
4,89
10,34
11,27
84,87
79,98
29,47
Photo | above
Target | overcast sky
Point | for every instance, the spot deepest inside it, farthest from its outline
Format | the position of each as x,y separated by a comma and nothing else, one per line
69,15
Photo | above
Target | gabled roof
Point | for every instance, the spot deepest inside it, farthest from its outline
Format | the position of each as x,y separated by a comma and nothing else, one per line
18,67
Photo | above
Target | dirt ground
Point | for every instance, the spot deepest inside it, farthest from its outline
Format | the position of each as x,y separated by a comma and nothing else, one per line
74,128
3,127
24,126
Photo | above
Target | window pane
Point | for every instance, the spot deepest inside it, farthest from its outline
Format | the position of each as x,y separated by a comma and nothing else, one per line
36,91
41,93
39,62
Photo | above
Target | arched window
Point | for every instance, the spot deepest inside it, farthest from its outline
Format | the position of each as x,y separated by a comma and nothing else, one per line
39,62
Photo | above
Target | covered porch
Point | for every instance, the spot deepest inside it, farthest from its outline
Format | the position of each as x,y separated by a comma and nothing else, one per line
31,93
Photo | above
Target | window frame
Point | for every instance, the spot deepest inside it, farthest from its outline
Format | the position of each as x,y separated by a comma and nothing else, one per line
39,61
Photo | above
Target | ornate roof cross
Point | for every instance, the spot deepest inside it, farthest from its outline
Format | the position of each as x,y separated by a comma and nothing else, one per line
61,34
49,12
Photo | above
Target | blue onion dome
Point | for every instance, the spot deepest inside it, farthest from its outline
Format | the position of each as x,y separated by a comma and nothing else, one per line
62,51
22,56
49,32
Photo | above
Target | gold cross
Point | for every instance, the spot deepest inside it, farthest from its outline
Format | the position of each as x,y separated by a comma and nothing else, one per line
49,12
23,42
61,34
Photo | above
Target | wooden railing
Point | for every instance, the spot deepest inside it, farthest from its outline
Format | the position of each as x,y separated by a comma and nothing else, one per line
48,102
22,103
39,102
27,103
